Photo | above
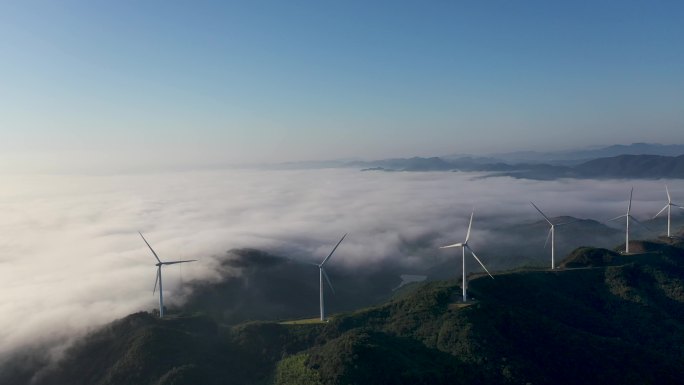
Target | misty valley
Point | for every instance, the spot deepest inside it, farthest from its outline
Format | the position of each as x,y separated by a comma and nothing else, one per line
396,311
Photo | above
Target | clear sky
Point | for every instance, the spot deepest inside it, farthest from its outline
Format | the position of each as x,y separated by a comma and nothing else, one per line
170,82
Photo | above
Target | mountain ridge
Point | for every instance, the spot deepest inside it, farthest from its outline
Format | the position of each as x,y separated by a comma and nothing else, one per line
570,157
618,167
619,321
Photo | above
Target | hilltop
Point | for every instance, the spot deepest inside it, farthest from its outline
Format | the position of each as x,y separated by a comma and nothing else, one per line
607,318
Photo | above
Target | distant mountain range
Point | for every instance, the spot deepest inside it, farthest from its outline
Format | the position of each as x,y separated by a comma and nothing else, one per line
571,157
622,166
637,160
605,318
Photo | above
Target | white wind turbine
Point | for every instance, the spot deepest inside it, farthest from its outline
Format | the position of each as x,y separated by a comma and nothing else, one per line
322,273
668,207
464,245
159,275
552,234
627,217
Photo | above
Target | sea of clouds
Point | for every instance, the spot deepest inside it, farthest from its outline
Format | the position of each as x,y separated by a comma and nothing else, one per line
71,258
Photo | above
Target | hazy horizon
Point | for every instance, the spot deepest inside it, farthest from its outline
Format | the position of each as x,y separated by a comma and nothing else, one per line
107,85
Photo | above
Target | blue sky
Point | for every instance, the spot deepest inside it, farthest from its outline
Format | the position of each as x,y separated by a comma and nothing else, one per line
169,82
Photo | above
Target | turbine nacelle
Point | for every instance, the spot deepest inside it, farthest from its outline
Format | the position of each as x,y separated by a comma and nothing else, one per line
627,217
158,279
668,207
552,233
464,245
630,217
323,274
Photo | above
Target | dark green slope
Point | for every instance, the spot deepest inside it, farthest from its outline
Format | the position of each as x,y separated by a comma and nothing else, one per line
141,349
610,319
615,324
372,357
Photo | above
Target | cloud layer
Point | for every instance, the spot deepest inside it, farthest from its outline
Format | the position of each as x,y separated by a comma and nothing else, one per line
70,256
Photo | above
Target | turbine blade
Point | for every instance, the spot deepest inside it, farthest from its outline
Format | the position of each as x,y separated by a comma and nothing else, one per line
659,212
540,212
478,260
469,226
669,200
629,208
618,217
156,279
328,280
333,250
547,238
450,246
175,262
151,249
639,223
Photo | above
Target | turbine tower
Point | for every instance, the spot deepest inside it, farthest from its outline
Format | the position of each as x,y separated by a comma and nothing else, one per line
668,207
552,234
321,274
464,245
627,217
159,275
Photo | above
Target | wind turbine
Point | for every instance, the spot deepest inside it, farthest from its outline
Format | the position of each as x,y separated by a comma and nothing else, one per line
159,275
322,273
552,234
668,207
627,217
464,245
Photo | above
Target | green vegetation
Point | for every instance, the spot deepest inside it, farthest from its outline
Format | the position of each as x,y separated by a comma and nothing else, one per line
294,370
608,318
589,257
